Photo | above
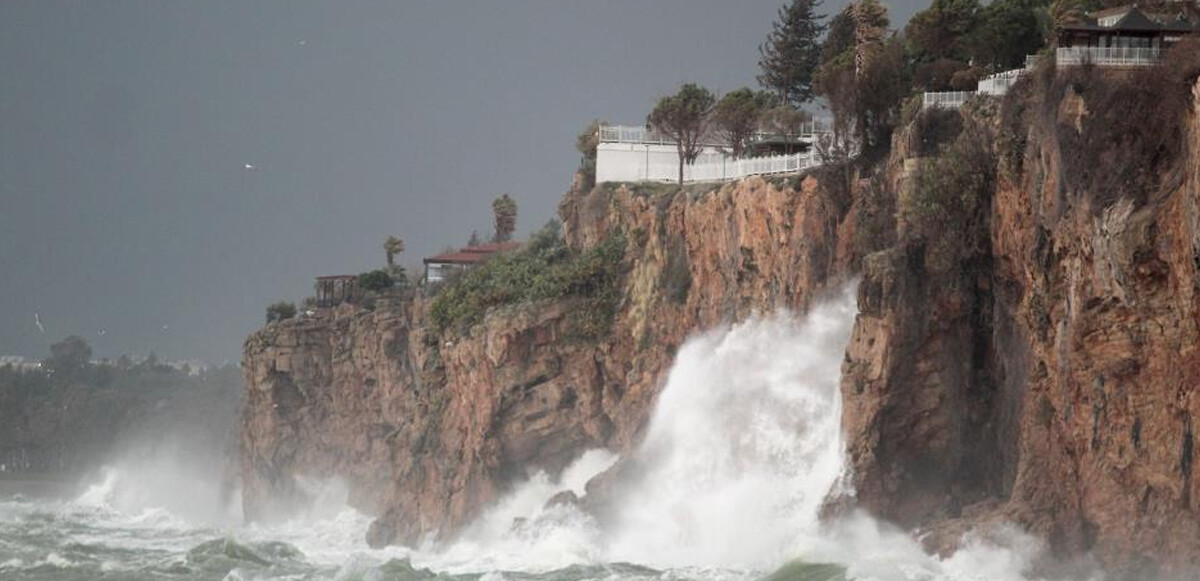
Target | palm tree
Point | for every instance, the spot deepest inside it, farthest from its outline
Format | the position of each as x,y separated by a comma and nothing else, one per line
392,246
1058,14
870,29
504,210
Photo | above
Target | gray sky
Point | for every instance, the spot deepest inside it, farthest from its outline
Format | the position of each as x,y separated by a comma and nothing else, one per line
124,128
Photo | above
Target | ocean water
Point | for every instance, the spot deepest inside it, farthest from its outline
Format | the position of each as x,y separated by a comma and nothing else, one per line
742,448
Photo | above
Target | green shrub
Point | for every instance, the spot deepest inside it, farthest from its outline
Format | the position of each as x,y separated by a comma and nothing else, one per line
947,209
375,280
281,311
933,128
875,224
544,269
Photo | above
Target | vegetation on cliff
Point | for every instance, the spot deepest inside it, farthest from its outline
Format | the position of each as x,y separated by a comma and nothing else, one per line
544,269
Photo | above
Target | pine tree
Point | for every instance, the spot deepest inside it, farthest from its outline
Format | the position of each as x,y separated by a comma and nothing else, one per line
504,210
792,51
870,30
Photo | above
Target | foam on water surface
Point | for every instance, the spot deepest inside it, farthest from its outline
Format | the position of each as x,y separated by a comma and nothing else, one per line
742,448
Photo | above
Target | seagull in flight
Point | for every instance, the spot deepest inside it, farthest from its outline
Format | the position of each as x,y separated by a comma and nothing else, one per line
250,167
37,320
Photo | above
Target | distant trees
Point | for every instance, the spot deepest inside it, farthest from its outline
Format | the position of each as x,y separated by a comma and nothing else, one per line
737,116
504,213
392,247
789,57
69,356
684,117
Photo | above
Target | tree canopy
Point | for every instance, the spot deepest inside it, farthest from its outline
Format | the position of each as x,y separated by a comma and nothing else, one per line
944,30
737,115
684,117
790,55
392,246
504,213
69,355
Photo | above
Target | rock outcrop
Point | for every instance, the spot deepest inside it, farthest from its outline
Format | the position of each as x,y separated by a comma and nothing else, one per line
428,428
1053,382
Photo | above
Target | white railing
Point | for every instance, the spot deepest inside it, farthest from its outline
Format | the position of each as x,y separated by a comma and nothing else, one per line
1108,56
641,135
946,99
720,168
632,134
999,83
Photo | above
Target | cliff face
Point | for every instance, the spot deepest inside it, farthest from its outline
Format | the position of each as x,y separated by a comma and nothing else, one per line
427,429
1051,382
1026,348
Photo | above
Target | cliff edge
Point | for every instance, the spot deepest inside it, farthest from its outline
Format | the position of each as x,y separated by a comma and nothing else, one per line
429,425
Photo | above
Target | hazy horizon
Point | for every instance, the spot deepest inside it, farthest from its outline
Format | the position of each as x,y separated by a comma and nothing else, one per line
129,217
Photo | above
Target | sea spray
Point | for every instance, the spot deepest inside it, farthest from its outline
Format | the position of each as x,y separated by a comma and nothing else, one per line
743,446
741,450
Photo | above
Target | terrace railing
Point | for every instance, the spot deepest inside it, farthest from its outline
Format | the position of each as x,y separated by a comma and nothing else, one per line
632,134
946,99
721,168
999,83
642,135
1110,56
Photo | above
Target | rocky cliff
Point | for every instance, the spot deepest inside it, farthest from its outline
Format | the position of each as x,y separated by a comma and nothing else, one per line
427,427
1026,348
1047,375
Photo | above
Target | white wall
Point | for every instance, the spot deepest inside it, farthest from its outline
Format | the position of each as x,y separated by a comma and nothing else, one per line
634,162
439,272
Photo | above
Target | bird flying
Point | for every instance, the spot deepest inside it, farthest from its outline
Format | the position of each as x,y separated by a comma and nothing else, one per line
37,320
250,167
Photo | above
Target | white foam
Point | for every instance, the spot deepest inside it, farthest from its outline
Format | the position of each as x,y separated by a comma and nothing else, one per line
743,446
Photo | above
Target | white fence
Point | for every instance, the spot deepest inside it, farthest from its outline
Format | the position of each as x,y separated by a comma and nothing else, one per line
999,83
642,135
622,162
632,134
1109,56
946,99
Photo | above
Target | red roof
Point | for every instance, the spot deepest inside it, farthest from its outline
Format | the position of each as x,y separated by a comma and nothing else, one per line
472,254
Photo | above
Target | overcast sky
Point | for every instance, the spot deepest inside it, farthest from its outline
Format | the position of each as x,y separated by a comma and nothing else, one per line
126,213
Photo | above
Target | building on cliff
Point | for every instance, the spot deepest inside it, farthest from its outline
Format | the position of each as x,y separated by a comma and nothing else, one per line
637,154
439,268
1125,35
